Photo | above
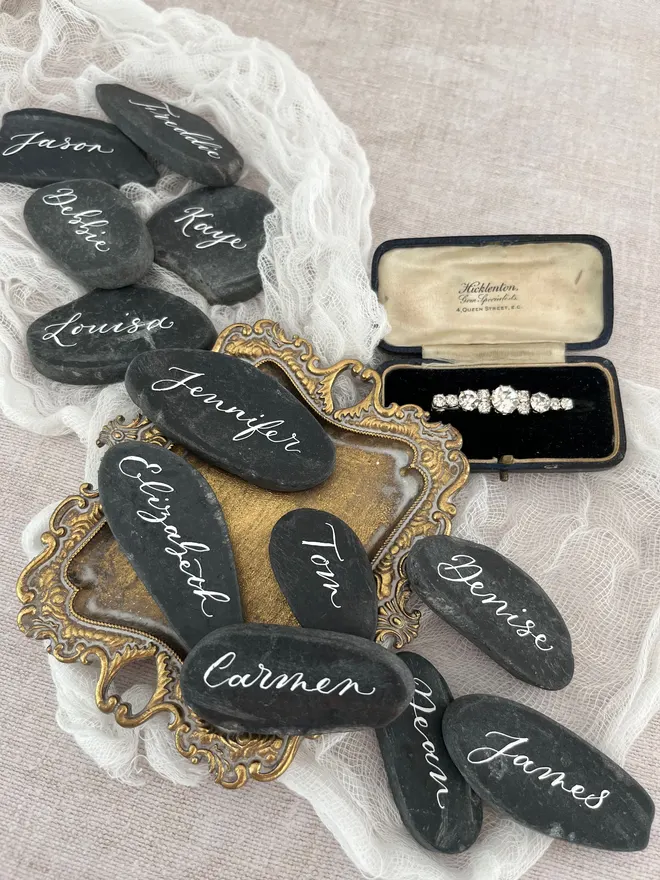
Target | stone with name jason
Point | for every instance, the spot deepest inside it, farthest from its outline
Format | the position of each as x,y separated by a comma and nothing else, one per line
183,141
262,678
212,238
91,230
436,804
496,605
232,415
544,775
38,147
324,572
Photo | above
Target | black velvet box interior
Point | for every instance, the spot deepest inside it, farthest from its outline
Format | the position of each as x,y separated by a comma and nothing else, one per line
487,311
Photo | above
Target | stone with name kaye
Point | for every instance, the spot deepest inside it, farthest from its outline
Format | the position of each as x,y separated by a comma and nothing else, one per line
545,776
496,605
436,804
38,147
212,239
262,678
324,572
91,230
92,340
183,141
232,415
168,522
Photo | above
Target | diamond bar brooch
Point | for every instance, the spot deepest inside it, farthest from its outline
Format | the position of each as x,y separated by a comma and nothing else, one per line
504,399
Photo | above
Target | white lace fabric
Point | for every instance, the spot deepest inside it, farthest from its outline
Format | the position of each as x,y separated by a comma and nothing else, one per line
590,535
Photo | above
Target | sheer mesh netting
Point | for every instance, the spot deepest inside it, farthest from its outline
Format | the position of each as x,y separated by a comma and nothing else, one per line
591,540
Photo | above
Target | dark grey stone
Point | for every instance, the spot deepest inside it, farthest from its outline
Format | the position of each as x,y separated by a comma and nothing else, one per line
183,141
232,415
38,147
324,572
260,678
212,239
496,605
92,340
91,230
436,804
545,776
170,525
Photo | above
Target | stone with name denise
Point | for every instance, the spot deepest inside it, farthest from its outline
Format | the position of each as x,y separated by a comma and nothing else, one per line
92,340
91,230
545,776
183,141
168,522
232,415
212,239
324,572
496,605
38,147
262,678
436,804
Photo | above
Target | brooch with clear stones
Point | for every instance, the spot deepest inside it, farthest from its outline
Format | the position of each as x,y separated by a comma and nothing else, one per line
504,399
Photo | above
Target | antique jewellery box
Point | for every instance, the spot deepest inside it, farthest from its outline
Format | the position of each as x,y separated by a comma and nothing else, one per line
491,334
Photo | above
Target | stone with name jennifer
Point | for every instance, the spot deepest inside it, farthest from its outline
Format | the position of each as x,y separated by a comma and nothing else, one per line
496,605
324,572
234,416
168,522
92,340
284,680
183,141
436,804
544,775
212,238
91,231
38,147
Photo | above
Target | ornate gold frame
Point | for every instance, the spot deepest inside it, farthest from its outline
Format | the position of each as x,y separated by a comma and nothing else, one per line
47,592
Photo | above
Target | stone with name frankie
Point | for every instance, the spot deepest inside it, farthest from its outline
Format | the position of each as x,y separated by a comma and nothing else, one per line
232,415
436,804
93,339
324,572
169,524
38,147
544,775
183,141
91,230
212,238
496,605
284,680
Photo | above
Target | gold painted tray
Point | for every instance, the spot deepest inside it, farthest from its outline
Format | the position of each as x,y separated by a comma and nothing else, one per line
394,481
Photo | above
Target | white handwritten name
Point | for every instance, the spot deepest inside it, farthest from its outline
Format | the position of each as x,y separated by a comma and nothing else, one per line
215,236
158,494
466,572
166,115
90,228
34,139
324,571
265,679
422,705
486,755
264,429
135,325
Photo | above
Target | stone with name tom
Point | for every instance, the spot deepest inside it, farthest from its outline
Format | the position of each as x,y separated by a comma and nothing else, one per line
544,775
168,522
267,679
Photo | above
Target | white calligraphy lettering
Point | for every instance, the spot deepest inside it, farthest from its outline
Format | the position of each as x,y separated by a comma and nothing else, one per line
166,115
34,139
324,571
422,705
90,228
135,325
215,236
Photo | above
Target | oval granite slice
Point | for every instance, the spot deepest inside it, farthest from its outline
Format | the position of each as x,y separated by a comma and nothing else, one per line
168,522
183,141
92,340
38,147
496,605
545,776
324,572
436,804
261,678
233,416
91,230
